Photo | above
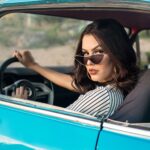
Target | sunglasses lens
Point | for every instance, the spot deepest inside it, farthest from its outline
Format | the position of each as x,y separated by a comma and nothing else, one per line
96,59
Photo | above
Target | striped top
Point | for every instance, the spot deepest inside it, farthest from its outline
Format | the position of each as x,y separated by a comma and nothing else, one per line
100,102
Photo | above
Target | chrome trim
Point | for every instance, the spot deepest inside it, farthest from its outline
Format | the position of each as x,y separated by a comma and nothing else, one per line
124,129
78,6
31,107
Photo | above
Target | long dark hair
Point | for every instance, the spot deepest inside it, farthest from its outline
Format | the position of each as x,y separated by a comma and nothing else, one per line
116,42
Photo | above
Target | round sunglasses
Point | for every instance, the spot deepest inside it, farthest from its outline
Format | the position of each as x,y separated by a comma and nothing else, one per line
95,58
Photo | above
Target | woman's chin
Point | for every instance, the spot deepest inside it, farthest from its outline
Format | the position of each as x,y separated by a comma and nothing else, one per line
94,78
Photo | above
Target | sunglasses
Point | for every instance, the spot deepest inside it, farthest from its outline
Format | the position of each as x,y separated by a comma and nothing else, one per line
96,58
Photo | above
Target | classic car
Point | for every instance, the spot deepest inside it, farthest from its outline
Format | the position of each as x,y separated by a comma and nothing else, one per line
50,29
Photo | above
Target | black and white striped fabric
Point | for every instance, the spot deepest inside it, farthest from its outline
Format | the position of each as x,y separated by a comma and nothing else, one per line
100,102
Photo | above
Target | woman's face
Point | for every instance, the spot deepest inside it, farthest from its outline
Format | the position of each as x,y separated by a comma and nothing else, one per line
104,70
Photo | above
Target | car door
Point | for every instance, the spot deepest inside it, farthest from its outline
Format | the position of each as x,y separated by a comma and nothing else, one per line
32,125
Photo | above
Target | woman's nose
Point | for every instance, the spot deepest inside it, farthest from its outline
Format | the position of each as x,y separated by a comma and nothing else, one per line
89,62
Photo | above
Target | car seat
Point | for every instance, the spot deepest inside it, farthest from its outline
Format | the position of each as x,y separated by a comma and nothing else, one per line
136,106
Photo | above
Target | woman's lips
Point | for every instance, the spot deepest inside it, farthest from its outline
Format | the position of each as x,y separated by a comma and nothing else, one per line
92,71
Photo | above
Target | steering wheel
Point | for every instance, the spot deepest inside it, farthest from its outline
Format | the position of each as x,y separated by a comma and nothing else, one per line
35,90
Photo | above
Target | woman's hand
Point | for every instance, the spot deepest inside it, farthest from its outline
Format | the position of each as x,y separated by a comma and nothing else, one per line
25,58
20,92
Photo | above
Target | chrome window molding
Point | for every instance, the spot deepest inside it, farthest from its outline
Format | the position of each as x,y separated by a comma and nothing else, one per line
124,129
133,7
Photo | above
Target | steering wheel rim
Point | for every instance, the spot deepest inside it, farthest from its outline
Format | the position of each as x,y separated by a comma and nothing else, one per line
4,65
46,89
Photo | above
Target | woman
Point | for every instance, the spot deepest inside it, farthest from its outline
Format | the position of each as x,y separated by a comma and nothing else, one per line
105,69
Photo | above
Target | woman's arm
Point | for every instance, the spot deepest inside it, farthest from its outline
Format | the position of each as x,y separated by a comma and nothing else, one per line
58,78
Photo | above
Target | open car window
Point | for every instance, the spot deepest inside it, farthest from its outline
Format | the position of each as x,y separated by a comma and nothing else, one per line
52,40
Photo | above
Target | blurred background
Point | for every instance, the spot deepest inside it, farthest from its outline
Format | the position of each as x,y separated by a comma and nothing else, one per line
52,40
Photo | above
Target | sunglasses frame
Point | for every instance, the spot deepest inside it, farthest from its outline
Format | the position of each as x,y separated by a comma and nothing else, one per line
91,57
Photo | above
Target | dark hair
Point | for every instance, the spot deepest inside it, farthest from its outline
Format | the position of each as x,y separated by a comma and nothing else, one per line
115,40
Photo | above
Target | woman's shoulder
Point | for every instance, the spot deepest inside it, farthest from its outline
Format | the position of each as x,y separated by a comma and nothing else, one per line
107,87
110,89
96,90
103,90
100,89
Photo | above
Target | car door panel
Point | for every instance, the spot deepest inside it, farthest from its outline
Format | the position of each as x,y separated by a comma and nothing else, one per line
47,129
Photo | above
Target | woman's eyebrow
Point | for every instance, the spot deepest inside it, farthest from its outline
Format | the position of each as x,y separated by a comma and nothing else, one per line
92,48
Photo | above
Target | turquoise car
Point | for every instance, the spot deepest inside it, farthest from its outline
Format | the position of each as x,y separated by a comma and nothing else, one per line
50,29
